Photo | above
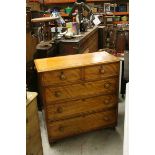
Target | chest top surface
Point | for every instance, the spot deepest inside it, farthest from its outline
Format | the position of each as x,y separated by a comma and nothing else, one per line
74,61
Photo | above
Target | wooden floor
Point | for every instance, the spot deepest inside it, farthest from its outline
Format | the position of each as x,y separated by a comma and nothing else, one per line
101,142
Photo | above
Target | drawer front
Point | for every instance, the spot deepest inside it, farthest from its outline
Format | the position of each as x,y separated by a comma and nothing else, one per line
69,48
101,71
78,107
60,129
75,91
60,77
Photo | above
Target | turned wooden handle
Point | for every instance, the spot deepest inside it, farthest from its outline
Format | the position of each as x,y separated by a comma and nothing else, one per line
106,101
61,128
62,76
59,110
102,71
57,94
105,118
107,85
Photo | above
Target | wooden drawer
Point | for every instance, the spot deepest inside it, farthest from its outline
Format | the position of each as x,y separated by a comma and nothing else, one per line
68,48
78,107
101,71
67,76
61,129
75,91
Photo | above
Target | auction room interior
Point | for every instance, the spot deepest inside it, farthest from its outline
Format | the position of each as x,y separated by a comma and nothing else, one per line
77,76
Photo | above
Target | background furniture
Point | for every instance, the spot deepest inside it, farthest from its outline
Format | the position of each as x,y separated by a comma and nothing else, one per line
79,92
87,42
33,136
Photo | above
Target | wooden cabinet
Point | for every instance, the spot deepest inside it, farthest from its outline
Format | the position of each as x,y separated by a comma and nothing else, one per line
88,42
79,92
33,136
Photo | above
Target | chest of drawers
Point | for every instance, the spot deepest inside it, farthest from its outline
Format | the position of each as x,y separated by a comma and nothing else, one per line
79,93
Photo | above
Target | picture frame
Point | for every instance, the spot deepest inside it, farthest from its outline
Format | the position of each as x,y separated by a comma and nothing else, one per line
107,7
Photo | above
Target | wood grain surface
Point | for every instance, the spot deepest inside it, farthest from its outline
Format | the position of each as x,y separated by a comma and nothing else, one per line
67,76
74,61
79,92
64,93
61,129
33,135
101,71
78,107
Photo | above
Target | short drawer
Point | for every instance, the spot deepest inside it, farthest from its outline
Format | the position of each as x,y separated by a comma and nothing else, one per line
78,107
87,89
101,71
73,126
60,77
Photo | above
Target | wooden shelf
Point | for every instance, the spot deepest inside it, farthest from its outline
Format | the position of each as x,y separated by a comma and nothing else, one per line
98,0
120,13
48,2
34,1
64,15
117,13
121,22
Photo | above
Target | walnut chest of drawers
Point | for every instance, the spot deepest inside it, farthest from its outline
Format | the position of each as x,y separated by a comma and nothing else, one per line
33,135
79,92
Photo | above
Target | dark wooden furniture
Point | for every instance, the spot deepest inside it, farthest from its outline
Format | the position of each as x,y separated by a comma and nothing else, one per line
88,42
33,136
102,33
79,92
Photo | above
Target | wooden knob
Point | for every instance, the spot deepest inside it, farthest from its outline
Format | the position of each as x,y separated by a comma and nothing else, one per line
57,94
105,118
102,71
107,85
106,101
62,76
83,100
61,128
59,110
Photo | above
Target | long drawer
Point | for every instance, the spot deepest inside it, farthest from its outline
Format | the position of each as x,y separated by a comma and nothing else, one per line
60,77
78,107
75,91
73,126
101,71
